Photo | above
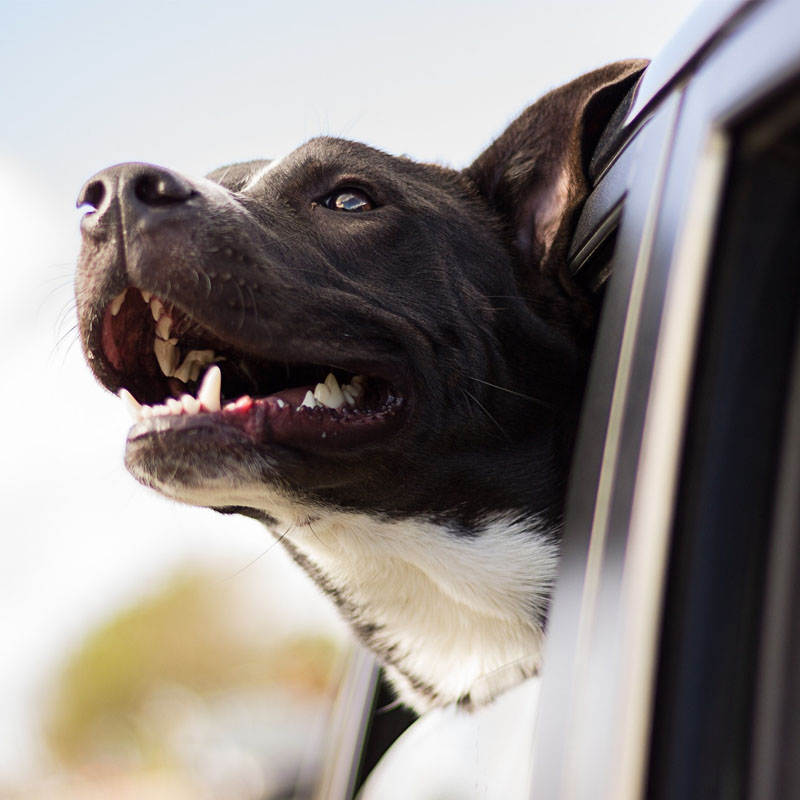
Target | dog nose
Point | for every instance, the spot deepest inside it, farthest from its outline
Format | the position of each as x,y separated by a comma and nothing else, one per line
137,191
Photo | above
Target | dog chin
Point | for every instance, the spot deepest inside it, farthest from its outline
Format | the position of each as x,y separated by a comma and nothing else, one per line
191,470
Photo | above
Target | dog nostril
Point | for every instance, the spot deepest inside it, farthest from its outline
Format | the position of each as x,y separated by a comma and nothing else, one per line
160,189
92,195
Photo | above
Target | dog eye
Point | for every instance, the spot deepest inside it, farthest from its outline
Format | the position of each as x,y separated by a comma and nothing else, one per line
348,200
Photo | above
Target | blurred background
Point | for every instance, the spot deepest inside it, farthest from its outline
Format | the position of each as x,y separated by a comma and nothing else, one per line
147,649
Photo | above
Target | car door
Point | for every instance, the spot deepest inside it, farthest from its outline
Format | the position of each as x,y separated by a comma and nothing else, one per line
673,630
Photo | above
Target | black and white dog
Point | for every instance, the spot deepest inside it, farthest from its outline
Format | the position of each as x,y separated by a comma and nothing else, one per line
382,360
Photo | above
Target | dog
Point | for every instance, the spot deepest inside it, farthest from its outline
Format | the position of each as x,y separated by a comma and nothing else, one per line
381,360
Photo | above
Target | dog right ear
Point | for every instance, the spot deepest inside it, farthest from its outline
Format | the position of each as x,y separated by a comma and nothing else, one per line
535,174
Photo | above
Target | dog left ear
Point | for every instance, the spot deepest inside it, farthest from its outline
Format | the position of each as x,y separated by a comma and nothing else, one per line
535,173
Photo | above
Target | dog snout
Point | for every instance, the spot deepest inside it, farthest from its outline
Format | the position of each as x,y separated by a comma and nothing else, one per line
135,192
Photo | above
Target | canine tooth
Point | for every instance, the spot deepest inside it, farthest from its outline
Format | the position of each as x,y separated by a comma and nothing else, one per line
146,295
166,355
116,303
132,405
175,406
162,327
210,389
310,401
190,404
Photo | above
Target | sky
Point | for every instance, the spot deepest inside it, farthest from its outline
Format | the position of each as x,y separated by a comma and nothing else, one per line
193,86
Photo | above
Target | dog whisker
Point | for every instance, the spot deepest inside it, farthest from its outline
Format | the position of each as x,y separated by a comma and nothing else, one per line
513,297
72,344
311,528
511,391
64,283
71,331
485,411
66,311
261,555
254,302
75,339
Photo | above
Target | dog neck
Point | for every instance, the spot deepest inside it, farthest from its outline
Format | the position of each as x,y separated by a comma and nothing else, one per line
463,606
464,609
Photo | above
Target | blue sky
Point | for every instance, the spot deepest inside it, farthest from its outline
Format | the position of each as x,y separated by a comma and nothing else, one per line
193,86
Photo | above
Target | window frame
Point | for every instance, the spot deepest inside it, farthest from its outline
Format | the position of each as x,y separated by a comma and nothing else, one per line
602,658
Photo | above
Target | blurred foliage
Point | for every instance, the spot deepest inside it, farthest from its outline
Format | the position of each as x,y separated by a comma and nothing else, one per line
183,636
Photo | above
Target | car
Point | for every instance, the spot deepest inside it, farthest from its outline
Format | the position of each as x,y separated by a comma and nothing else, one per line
674,632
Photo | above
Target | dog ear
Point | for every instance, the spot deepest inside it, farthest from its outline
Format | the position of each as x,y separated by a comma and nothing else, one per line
535,173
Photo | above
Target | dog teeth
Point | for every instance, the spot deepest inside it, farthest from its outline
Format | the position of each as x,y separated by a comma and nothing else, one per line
131,404
210,390
329,394
193,364
170,407
174,406
163,327
116,303
354,390
146,295
191,405
309,401
156,309
167,356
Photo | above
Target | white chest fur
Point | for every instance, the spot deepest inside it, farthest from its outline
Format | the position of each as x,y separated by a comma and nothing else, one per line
457,617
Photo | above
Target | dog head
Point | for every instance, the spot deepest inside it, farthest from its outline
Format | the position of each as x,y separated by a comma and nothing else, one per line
438,301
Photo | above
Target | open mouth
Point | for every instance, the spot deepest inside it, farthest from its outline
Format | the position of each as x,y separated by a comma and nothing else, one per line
173,373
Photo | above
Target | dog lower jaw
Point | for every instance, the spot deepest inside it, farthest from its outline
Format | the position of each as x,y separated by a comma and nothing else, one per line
283,418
